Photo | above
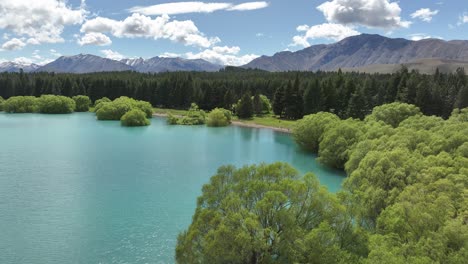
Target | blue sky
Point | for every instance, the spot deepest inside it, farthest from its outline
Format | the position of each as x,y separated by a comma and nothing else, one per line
225,32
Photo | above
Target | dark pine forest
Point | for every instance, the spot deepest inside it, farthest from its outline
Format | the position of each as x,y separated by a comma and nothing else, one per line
293,94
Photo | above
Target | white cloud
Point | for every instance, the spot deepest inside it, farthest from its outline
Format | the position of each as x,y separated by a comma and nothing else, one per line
331,31
421,36
249,6
43,21
425,14
95,38
169,55
462,19
55,53
370,13
223,56
113,55
33,41
161,27
194,7
13,44
23,60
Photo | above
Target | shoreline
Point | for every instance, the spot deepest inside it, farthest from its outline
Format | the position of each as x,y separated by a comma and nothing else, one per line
243,124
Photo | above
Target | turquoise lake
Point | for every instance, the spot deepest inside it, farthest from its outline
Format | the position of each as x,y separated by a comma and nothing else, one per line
77,190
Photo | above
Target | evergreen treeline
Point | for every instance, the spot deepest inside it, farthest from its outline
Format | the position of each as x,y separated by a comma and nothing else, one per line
294,94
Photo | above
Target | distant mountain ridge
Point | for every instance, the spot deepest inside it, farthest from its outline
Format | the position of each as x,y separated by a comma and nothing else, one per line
86,63
163,64
10,66
362,50
364,53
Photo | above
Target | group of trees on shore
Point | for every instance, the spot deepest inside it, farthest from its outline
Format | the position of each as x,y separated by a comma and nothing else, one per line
293,94
129,111
218,117
46,104
404,200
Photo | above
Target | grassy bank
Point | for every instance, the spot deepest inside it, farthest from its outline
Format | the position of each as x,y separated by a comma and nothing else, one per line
266,121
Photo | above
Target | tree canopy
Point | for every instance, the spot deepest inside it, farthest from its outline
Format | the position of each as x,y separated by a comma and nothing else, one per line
135,117
267,214
407,179
219,117
82,103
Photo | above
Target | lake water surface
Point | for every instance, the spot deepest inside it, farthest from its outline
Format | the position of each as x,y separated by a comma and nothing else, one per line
77,190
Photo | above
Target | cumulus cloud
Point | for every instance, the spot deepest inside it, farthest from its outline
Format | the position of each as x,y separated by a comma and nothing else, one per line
161,27
13,44
113,55
223,56
94,38
425,14
370,13
194,7
331,31
42,21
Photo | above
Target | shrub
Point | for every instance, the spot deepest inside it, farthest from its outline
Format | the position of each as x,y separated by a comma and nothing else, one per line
135,117
100,103
195,116
116,109
55,104
102,100
20,104
82,103
1,103
219,117
172,120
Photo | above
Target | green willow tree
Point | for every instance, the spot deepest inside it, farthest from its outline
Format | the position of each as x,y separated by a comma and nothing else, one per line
267,214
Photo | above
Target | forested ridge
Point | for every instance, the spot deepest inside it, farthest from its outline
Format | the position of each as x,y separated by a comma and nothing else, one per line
293,94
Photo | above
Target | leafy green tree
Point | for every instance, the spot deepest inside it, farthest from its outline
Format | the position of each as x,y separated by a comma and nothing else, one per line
82,103
262,214
55,104
393,113
102,100
244,107
218,117
266,105
309,131
459,115
195,116
135,117
337,141
20,104
257,104
116,109
1,103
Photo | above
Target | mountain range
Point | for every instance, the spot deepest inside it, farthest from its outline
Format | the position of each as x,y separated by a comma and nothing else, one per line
363,50
364,53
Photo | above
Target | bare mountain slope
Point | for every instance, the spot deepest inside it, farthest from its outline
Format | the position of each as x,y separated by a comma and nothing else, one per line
362,50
